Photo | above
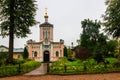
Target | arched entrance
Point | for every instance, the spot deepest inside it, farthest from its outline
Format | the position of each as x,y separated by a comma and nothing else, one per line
46,56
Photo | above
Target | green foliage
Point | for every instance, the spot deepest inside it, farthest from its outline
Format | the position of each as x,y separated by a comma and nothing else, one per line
16,17
69,52
105,49
111,60
86,66
58,67
91,36
99,52
18,61
117,64
28,59
23,14
112,18
8,70
3,56
62,61
65,52
99,68
28,66
96,42
91,39
25,54
25,67
90,33
111,47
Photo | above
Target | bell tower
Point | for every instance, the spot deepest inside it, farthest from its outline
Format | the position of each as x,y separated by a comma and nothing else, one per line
46,29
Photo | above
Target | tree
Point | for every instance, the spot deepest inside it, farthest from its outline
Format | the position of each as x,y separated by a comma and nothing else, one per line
16,18
112,45
65,52
100,48
69,52
112,18
90,33
92,40
25,54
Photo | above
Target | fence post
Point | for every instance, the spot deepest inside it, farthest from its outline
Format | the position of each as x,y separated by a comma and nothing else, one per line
85,67
47,67
19,68
65,67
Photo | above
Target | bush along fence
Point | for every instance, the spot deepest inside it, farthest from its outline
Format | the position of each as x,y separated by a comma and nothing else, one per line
75,69
18,69
66,69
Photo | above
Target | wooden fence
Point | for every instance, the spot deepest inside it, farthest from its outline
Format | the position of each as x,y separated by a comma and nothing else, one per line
13,70
67,69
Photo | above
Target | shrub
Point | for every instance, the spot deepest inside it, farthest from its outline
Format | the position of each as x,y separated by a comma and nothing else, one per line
92,62
117,64
111,60
15,69
99,68
71,59
28,66
28,59
3,56
18,61
87,66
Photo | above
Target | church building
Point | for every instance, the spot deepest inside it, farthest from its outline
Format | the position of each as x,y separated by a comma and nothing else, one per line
46,50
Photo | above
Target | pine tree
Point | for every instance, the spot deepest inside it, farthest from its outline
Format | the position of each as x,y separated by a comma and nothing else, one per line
25,54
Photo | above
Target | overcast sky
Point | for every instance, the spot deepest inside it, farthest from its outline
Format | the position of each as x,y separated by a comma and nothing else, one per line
66,16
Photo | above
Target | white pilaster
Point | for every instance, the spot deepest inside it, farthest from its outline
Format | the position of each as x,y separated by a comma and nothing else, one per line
41,53
51,52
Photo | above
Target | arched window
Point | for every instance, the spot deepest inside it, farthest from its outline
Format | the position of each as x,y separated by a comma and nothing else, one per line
57,54
35,54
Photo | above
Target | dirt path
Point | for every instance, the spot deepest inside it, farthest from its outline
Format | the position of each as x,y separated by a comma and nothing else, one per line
109,76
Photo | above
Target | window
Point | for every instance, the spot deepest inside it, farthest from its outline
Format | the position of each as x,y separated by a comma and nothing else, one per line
57,54
18,56
46,46
35,54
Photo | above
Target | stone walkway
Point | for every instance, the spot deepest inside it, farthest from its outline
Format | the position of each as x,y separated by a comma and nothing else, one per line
42,70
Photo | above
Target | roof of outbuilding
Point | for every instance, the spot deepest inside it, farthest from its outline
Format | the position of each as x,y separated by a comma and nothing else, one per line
18,50
3,46
15,49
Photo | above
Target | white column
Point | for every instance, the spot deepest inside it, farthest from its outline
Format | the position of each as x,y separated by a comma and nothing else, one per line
41,53
51,59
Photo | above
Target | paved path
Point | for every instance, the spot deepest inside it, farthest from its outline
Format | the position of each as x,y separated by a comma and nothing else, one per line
39,71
